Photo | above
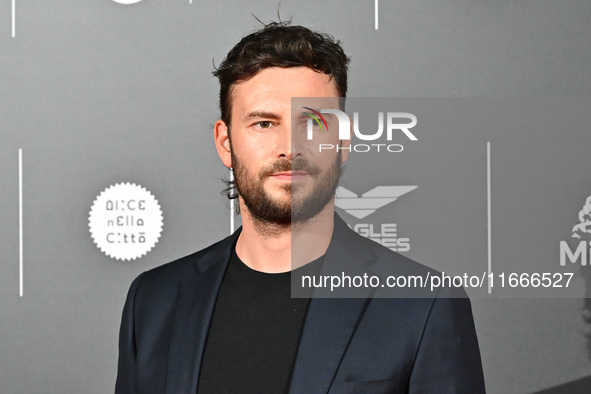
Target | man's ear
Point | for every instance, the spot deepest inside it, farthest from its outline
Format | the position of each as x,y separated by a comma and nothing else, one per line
221,137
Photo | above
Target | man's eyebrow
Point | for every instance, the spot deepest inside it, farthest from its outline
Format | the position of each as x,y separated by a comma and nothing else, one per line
261,114
306,110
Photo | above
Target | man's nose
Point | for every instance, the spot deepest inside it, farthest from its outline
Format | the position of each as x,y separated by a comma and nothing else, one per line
288,147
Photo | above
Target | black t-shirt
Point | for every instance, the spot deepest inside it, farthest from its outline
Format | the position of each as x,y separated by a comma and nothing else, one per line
255,332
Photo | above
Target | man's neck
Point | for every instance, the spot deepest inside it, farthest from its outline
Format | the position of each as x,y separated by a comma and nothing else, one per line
277,248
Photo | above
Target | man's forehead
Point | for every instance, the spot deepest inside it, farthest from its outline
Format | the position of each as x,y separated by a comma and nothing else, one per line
287,82
271,90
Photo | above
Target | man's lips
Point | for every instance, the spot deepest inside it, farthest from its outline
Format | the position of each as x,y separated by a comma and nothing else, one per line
289,175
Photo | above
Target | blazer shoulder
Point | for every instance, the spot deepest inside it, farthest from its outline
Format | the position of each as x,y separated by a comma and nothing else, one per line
188,266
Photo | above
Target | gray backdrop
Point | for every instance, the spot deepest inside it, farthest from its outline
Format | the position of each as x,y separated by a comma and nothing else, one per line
96,93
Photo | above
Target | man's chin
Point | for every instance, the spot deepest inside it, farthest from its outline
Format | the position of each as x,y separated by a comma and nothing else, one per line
289,199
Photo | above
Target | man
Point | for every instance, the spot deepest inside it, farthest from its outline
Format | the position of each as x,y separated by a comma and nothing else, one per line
223,320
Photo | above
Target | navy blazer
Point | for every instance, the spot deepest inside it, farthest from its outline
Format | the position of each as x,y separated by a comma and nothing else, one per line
348,345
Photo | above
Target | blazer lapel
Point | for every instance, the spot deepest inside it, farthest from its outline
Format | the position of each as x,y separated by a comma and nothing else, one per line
331,322
194,309
329,325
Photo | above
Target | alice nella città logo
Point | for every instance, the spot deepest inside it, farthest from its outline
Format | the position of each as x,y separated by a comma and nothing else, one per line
125,221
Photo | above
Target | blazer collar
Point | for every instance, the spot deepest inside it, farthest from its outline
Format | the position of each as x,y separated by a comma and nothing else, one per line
331,322
196,296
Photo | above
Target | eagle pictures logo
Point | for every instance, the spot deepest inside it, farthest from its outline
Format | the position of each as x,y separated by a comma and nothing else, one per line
367,204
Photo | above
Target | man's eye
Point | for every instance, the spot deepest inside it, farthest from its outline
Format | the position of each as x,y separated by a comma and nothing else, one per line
265,124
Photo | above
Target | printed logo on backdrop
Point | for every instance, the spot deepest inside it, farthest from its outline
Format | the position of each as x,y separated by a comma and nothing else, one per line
579,253
126,2
368,203
125,221
396,123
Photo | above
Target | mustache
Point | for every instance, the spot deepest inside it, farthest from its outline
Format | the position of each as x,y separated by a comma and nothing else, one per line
285,165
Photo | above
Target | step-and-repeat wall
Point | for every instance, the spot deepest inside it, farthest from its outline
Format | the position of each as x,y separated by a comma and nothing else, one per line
108,167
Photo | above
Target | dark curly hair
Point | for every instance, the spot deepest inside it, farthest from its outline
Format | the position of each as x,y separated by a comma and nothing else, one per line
278,44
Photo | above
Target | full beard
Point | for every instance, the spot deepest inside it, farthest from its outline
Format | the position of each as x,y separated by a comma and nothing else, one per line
267,212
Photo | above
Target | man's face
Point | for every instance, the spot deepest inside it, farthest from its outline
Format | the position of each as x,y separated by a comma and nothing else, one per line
280,177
